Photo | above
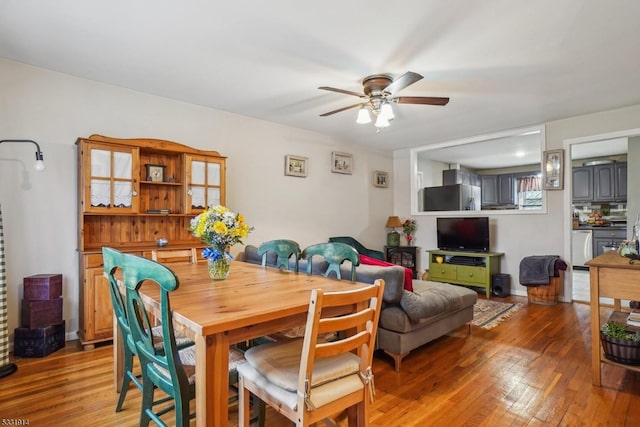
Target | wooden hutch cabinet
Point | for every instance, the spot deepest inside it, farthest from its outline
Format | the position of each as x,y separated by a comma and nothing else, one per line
131,192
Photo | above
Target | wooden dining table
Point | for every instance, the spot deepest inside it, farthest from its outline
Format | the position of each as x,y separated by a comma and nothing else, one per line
253,301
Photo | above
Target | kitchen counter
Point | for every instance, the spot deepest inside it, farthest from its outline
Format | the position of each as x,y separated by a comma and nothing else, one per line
601,227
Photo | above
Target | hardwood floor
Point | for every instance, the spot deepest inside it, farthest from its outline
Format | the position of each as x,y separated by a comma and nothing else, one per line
532,370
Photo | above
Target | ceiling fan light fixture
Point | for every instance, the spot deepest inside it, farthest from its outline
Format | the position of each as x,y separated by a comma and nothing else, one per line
381,121
387,111
363,116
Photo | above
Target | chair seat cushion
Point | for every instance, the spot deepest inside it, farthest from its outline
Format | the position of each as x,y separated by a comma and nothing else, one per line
279,362
188,360
274,368
182,341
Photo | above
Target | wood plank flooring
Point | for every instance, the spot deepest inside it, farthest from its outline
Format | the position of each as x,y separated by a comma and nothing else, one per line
531,370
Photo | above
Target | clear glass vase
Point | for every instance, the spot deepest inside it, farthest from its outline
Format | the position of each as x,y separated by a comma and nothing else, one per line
219,265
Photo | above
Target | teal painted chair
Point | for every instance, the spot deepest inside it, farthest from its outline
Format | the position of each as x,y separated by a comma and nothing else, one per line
358,246
171,370
283,249
334,254
113,261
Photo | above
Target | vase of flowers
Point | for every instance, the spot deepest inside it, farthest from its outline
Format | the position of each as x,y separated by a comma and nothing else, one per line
220,228
408,228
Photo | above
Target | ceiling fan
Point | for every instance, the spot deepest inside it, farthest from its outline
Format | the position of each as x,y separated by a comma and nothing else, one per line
378,95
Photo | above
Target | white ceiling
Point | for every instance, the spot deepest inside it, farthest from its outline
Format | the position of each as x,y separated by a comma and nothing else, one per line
504,63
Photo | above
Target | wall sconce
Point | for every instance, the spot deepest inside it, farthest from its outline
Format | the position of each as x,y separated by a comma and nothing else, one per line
39,166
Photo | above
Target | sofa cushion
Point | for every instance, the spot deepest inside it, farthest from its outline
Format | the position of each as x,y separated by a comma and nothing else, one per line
432,298
408,274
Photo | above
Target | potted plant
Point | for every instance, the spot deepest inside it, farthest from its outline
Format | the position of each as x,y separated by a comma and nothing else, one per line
619,343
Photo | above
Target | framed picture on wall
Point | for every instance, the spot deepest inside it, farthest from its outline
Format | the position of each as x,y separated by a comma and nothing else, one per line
381,179
341,162
295,165
553,169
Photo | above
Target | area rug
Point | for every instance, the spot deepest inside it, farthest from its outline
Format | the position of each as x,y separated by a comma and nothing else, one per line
488,314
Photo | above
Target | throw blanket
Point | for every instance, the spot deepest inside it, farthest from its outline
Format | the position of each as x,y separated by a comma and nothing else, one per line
536,270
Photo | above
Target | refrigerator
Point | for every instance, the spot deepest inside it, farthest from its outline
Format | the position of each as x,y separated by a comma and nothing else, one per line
457,197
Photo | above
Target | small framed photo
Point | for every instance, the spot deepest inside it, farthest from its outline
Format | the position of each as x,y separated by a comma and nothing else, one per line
155,173
553,169
341,162
295,165
381,179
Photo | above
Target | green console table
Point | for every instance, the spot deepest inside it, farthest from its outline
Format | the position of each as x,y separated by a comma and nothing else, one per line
464,268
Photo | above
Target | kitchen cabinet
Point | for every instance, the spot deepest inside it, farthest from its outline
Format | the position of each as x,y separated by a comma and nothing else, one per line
607,238
131,192
582,184
498,189
600,183
460,176
506,189
489,189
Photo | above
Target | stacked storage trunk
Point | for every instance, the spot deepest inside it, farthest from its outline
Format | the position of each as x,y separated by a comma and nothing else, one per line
43,329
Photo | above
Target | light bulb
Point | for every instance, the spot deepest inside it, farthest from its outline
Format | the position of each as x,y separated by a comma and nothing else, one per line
39,161
363,116
387,111
381,121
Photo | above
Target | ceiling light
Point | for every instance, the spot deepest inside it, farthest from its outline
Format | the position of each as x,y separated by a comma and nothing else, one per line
387,111
381,121
363,116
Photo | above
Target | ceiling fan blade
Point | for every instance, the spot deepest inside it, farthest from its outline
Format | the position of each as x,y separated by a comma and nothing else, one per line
341,109
425,100
403,81
346,92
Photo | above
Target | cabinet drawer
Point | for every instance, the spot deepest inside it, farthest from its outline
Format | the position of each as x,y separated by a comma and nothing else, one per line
442,272
471,274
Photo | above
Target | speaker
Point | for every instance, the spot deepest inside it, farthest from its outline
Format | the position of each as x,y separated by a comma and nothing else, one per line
501,285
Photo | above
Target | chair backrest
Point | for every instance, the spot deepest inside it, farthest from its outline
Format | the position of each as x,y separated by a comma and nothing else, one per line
284,250
188,256
162,366
335,254
356,333
113,261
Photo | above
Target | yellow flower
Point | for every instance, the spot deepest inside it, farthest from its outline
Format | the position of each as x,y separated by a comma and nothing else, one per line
219,227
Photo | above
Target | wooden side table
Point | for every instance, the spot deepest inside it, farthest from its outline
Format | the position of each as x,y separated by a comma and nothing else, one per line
406,256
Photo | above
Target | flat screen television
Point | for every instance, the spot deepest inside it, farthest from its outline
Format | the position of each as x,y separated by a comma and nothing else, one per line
463,234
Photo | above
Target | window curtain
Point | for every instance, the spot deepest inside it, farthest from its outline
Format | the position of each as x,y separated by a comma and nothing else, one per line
6,368
529,183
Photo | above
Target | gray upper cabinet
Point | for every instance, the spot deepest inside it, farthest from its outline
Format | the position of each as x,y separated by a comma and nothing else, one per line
600,183
506,190
489,190
582,184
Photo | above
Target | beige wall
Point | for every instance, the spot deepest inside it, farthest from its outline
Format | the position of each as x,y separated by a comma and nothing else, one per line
39,209
528,234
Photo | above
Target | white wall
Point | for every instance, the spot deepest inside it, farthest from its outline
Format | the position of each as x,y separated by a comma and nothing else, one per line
39,209
523,234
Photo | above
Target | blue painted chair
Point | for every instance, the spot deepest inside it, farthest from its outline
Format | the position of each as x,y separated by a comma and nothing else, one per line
334,254
113,261
171,370
284,250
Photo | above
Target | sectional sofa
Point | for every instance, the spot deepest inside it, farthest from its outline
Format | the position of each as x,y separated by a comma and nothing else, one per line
413,314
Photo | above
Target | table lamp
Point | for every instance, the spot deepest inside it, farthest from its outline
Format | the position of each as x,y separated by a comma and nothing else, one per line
393,238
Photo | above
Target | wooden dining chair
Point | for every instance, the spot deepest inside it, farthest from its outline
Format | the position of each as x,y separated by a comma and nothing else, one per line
171,370
308,380
113,263
335,254
188,256
284,250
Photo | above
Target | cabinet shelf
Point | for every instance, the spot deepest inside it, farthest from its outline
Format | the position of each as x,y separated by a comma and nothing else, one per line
177,184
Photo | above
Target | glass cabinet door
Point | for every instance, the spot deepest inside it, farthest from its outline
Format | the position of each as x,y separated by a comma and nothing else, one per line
111,179
205,178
